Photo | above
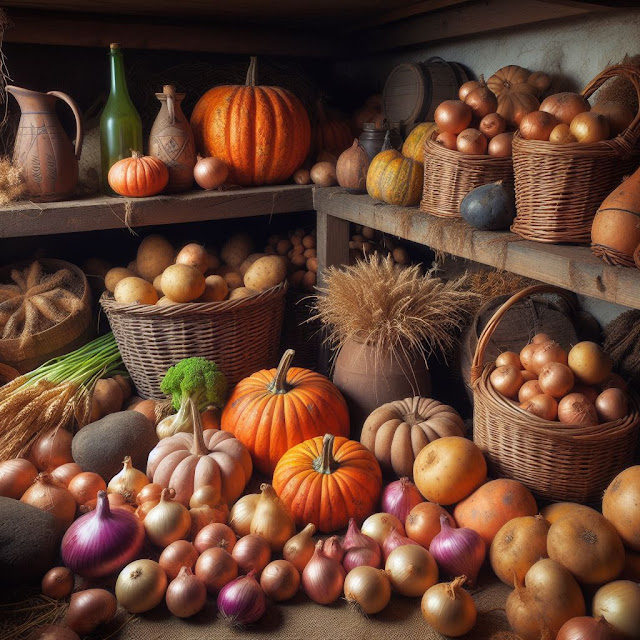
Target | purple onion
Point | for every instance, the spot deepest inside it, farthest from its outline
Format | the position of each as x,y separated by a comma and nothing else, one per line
395,540
399,497
360,549
103,541
242,600
458,552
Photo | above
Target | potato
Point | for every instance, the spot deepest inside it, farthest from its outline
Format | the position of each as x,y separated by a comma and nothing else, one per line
249,261
182,282
216,289
133,267
265,273
96,267
309,242
312,265
357,238
400,255
269,250
146,408
107,398
236,250
282,247
194,255
298,260
368,233
165,302
233,279
113,276
324,174
309,280
134,290
301,233
310,253
241,292
157,285
213,262
296,240
155,254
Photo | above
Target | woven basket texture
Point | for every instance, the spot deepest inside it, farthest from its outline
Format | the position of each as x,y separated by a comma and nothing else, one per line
450,175
241,336
559,187
73,332
555,461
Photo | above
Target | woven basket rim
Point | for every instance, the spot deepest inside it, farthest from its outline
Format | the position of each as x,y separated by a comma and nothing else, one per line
460,158
83,315
190,308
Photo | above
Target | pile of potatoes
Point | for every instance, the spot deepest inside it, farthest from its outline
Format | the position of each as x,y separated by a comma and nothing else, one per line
160,275
298,248
366,240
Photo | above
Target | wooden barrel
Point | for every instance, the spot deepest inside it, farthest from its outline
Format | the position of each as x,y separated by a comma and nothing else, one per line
413,91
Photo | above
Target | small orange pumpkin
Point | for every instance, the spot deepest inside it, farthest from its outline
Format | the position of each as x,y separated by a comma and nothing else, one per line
138,176
327,480
276,409
516,97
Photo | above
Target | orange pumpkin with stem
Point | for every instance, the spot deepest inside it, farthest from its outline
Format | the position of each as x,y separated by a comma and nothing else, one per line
262,133
276,409
138,176
516,97
328,480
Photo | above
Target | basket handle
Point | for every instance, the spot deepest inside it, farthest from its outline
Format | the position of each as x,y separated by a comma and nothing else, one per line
629,136
477,365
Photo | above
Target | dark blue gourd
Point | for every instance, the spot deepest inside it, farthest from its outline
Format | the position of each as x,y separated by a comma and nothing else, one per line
489,207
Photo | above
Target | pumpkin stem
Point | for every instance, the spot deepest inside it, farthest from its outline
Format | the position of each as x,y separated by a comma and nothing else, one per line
386,146
279,383
326,463
198,448
251,72
136,154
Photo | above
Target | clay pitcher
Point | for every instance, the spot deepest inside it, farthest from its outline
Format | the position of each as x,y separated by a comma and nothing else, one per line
368,379
171,140
42,149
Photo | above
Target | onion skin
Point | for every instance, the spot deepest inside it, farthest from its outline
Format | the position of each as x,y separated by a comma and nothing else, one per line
492,125
548,352
242,513
177,555
215,534
589,127
242,601
141,586
561,134
526,356
611,404
449,609
509,357
85,486
210,173
280,580
576,409
379,525
51,449
46,494
537,125
585,628
452,116
543,406
102,541
423,523
556,379
89,609
619,604
167,522
186,594
399,497
360,549
252,553
16,476
507,380
323,577
53,632
395,540
501,146
367,588
565,106
66,472
482,101
57,583
299,548
411,570
216,568
528,390
472,142
448,140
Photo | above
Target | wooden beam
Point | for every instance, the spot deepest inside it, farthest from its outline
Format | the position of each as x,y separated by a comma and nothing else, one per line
471,19
333,242
571,267
103,212
94,31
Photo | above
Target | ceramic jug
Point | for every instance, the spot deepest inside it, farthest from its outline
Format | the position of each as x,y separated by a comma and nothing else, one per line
42,150
171,140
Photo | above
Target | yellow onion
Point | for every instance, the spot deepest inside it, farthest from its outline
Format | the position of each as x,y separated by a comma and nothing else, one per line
186,595
215,534
379,525
252,553
210,172
51,449
128,482
151,491
242,513
272,519
323,577
299,548
85,486
449,609
216,568
89,609
280,580
141,585
368,589
167,522
57,583
411,570
619,604
202,516
66,472
585,628
48,495
177,555
16,476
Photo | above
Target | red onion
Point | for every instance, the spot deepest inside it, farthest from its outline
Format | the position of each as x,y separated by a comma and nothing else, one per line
399,497
360,549
394,540
102,541
458,552
242,601
333,549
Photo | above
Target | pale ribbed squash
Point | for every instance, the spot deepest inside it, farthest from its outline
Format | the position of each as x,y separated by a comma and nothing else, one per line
413,146
395,179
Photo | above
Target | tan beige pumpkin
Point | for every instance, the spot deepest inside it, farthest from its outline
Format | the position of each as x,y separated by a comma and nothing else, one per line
413,146
187,461
397,431
516,97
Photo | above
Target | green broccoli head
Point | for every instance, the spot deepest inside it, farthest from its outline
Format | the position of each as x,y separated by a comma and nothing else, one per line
198,379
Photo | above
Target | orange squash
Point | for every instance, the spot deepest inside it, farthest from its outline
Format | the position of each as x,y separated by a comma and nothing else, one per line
516,97
330,133
276,409
327,480
262,133
138,176
493,505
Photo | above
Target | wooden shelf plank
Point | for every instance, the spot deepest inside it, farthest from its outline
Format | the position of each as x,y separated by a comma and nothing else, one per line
103,212
571,267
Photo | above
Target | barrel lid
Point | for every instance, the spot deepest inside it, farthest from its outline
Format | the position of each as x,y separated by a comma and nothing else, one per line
404,93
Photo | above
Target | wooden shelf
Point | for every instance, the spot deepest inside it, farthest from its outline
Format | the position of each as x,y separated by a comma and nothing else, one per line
91,214
570,267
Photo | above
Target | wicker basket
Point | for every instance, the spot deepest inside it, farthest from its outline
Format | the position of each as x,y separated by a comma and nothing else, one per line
555,461
559,187
450,175
73,332
241,336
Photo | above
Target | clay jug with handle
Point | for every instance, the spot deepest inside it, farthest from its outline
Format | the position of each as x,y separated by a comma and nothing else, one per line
171,140
42,150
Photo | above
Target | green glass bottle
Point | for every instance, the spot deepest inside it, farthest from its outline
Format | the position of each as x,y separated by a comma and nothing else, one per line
120,124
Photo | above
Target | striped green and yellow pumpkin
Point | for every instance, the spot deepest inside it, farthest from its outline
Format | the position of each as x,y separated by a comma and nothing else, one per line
395,179
413,146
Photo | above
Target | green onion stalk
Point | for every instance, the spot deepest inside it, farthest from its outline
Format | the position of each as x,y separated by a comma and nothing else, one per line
56,394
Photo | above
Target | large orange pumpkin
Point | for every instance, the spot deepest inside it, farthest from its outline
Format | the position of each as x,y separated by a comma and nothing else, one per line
327,480
262,133
493,505
276,409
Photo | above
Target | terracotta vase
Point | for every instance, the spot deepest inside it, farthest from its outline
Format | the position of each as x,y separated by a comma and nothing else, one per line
368,379
42,150
171,140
